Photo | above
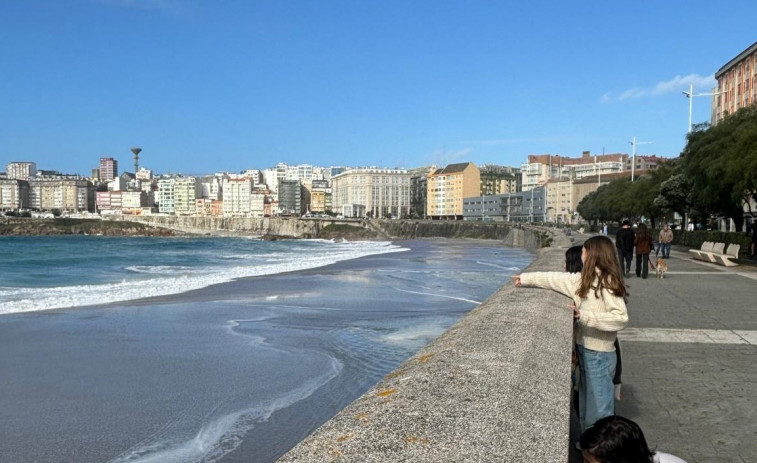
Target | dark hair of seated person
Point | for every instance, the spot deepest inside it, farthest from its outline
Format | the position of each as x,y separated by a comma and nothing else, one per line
614,439
573,262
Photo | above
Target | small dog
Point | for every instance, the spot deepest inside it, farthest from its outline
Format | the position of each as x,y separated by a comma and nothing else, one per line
662,267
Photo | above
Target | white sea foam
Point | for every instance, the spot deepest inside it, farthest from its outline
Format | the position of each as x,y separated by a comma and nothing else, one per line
439,295
166,280
414,337
222,435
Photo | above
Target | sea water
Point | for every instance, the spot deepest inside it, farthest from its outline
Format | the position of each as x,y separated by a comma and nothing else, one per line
213,349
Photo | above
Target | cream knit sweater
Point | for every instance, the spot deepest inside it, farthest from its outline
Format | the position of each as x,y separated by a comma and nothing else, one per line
601,318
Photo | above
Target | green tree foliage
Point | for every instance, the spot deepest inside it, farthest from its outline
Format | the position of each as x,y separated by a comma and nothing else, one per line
721,165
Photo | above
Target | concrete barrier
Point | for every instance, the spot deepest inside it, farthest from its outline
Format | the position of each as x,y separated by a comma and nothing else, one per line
494,387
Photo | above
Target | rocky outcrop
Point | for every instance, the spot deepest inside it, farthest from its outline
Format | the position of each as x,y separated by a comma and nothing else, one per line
24,226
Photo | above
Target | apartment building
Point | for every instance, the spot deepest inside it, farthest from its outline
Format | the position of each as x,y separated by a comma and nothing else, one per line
320,196
519,206
237,200
291,197
65,194
165,197
108,169
448,187
186,192
736,85
20,170
383,192
541,168
14,194
497,180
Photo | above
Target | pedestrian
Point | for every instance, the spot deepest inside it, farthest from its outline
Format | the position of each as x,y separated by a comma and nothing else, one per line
624,244
665,239
753,253
600,314
617,439
643,243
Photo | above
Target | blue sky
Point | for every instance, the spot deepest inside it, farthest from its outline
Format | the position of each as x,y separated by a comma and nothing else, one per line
205,86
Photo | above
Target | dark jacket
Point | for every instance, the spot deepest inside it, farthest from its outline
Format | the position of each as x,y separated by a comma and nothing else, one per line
624,240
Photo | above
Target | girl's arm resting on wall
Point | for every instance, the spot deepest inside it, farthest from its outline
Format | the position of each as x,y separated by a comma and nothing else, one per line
562,282
614,319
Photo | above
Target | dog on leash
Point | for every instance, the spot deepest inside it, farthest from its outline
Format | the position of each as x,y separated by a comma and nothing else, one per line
662,267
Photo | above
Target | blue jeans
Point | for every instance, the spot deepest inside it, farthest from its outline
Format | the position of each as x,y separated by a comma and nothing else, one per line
665,249
595,388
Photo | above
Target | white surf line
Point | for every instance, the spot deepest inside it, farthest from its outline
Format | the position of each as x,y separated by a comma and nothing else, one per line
697,336
438,295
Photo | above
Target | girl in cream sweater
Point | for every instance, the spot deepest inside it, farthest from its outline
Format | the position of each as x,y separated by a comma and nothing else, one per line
599,313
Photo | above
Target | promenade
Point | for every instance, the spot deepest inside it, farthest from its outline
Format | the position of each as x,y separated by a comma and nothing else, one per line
690,360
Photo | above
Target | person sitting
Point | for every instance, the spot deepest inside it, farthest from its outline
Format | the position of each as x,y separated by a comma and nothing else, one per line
615,439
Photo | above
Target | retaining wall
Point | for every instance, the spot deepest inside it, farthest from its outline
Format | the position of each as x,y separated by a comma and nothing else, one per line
494,387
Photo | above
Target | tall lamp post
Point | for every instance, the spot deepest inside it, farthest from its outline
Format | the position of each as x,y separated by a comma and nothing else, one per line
633,153
690,95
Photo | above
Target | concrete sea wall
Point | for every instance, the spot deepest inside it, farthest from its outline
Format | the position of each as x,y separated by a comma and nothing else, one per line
494,387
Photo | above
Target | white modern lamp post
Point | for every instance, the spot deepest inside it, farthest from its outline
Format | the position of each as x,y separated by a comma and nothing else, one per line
633,153
690,95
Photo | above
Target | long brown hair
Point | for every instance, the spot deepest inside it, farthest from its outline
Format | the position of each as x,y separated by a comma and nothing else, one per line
642,234
601,265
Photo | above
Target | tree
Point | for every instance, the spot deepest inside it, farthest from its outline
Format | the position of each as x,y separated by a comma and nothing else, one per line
720,163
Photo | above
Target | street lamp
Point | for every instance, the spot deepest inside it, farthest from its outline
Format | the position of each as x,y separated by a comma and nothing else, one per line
690,95
633,153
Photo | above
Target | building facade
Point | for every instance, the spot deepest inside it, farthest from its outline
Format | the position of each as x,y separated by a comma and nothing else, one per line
108,169
448,187
736,85
14,194
20,170
237,190
541,168
186,192
73,195
165,197
290,197
520,206
383,192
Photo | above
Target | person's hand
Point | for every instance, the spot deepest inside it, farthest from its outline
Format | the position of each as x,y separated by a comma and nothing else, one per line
516,279
576,312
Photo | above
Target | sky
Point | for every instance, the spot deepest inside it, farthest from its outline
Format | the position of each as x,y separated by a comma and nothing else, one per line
207,86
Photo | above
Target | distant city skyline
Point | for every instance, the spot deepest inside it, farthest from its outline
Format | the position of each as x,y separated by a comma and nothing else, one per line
204,87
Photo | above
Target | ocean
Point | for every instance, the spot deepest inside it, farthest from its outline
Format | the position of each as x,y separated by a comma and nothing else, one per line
213,349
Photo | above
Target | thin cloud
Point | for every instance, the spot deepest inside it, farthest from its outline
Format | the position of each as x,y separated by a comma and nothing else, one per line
676,84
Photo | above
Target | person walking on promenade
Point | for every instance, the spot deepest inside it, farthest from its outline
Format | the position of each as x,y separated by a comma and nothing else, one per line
753,253
624,243
618,439
601,313
643,242
665,238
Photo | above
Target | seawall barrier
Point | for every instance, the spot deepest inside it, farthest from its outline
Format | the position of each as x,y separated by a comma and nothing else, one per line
494,387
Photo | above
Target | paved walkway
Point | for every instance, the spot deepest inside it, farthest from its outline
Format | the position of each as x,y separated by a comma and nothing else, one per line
690,360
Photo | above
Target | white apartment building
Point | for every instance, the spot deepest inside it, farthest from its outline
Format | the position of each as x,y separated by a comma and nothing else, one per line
186,191
20,170
237,196
383,192
541,168
133,201
165,197
143,174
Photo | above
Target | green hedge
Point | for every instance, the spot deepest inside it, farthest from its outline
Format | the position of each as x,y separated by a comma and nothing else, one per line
694,239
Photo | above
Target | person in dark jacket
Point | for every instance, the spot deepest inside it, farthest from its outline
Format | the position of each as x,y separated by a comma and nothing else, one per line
643,242
624,244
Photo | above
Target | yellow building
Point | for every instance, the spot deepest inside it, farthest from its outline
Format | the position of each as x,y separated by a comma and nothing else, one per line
447,187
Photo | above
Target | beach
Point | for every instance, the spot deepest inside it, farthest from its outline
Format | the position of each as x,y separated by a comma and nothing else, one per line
237,371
